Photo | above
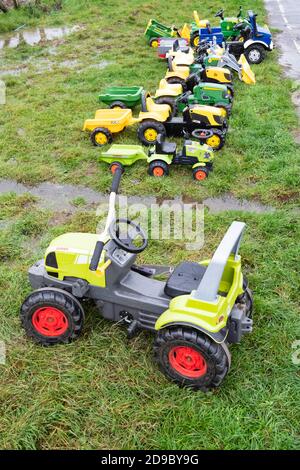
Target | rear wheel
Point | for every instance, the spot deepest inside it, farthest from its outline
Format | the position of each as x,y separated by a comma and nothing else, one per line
170,102
118,105
148,131
190,358
216,141
101,136
195,40
200,174
158,168
114,166
52,316
153,42
178,81
255,54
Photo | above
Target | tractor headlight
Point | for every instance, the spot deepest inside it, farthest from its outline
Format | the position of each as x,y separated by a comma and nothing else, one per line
206,155
219,119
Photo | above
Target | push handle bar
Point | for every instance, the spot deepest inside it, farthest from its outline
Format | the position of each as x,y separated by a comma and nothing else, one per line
116,181
111,213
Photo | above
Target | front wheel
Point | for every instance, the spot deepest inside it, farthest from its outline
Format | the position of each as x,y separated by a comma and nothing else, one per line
217,140
200,174
255,54
190,358
52,316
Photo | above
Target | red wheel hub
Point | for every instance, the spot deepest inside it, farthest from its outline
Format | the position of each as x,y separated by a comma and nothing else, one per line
50,321
187,361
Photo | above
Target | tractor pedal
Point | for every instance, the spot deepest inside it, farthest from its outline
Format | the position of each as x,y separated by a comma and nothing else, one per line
133,329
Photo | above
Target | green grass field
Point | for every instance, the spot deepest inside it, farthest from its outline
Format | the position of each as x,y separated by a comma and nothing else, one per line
103,391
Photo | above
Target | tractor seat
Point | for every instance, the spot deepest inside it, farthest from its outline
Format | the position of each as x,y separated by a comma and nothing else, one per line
185,278
165,148
152,107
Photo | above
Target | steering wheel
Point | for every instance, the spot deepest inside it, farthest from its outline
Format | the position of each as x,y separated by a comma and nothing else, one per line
134,240
184,97
219,13
238,26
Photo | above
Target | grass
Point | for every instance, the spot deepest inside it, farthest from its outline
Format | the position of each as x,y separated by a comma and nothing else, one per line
103,391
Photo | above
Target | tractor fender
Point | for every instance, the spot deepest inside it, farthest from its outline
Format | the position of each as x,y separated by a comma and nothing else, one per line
249,42
218,338
156,156
148,115
199,164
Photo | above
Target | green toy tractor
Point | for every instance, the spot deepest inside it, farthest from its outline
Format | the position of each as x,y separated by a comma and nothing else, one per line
162,156
195,313
211,94
228,24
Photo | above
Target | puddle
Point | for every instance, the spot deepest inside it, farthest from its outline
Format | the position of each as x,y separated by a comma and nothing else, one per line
62,197
230,203
32,37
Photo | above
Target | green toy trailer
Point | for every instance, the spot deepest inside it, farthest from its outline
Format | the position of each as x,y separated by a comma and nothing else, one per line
195,313
161,157
157,30
122,97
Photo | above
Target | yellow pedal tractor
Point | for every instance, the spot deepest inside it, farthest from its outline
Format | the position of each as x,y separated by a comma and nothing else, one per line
195,313
205,123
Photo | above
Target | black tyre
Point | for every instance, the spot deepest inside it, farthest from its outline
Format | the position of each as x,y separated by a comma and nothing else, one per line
101,136
222,106
191,359
255,53
158,168
52,316
118,105
230,89
148,131
178,81
170,102
114,166
195,40
217,140
200,173
153,42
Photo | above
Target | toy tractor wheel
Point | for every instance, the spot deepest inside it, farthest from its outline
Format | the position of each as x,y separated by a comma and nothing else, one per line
217,140
170,102
195,40
114,166
153,42
221,106
190,358
158,168
255,54
178,81
148,131
52,316
200,173
118,105
101,136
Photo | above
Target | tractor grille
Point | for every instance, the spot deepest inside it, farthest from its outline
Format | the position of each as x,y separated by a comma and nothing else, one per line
147,320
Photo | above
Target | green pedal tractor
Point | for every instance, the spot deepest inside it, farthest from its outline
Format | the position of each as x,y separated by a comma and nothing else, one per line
195,313
161,157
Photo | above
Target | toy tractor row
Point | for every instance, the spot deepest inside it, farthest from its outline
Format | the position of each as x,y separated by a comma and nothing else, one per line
195,313
161,157
156,119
